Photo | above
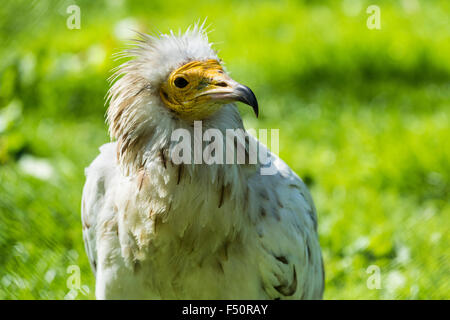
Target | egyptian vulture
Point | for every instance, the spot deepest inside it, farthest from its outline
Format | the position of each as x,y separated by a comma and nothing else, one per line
155,228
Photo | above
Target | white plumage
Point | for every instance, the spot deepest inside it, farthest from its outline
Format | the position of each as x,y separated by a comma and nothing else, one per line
157,230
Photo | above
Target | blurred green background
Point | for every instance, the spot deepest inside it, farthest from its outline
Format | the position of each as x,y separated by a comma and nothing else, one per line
364,118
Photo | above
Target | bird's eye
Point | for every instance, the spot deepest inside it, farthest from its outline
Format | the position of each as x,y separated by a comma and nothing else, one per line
181,82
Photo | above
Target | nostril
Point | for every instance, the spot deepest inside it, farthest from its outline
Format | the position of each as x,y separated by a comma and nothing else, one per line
222,84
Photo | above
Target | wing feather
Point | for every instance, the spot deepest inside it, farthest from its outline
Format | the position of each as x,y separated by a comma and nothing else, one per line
291,264
98,174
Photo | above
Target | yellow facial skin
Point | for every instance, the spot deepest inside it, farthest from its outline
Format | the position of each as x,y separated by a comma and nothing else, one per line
199,88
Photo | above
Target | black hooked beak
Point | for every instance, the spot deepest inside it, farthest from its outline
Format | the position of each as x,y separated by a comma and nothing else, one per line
245,94
226,89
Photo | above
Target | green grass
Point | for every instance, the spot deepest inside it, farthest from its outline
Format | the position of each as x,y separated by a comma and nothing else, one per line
364,118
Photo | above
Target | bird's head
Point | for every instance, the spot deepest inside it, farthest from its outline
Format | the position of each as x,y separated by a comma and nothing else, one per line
169,81
180,73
